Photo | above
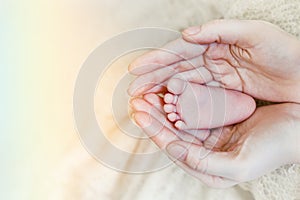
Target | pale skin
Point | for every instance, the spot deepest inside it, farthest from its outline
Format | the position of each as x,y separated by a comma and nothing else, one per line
195,106
229,155
264,64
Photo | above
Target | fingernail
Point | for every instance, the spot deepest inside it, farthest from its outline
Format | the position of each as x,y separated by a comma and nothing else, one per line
192,30
177,151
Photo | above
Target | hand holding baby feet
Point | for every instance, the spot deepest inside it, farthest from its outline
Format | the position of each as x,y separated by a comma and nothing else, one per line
241,152
232,53
195,106
255,57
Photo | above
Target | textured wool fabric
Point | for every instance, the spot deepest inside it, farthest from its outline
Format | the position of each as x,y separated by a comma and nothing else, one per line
283,183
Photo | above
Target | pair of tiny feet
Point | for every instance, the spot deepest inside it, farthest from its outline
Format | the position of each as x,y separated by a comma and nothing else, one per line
194,106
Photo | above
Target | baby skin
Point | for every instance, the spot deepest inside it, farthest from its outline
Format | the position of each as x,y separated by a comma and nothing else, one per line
196,106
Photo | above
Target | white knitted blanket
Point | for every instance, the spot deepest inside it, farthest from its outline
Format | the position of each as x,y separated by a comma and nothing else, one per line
283,183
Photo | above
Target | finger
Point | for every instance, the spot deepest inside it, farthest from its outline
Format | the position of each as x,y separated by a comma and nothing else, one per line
224,70
173,52
199,75
224,73
204,160
218,138
141,105
202,135
209,180
185,136
158,89
159,134
195,136
189,135
155,100
192,136
222,57
166,136
146,82
154,109
234,141
144,106
237,32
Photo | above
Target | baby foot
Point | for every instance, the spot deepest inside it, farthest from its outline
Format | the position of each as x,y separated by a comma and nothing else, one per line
195,106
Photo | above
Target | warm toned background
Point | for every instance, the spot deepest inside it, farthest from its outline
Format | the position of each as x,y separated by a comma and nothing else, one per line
43,44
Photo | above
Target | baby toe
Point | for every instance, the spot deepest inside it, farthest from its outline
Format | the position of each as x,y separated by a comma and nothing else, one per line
172,117
168,108
170,98
180,125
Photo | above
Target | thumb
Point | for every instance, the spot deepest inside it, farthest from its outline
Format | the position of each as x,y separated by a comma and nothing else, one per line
238,32
204,160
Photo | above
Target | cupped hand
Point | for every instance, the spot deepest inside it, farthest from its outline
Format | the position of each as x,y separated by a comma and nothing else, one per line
231,155
254,57
155,68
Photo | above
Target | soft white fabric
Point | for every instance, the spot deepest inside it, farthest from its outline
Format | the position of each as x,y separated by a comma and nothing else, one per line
284,13
283,183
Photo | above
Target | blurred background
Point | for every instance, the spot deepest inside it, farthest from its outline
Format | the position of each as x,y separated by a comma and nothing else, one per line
43,45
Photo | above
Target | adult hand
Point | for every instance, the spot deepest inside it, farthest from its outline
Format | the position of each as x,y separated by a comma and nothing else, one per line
156,67
267,140
253,57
